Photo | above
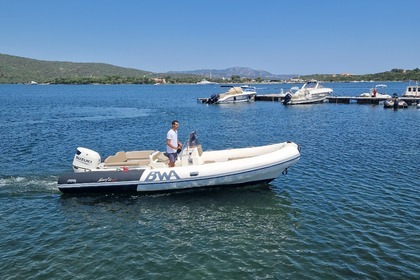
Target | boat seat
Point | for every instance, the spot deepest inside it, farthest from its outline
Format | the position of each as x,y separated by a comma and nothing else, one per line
128,163
118,157
158,160
161,157
134,158
137,155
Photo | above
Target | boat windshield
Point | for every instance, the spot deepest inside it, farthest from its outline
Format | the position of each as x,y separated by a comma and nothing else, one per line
193,140
310,84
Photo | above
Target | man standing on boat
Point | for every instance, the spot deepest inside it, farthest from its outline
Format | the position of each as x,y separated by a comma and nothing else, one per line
172,143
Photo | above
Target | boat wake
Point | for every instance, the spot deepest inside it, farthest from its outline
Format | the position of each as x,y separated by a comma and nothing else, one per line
22,184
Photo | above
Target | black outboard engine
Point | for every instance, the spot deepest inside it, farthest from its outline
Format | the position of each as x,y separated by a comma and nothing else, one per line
287,99
396,101
213,99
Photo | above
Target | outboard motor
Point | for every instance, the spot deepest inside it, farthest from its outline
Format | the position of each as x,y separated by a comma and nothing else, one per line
396,101
287,99
85,160
213,99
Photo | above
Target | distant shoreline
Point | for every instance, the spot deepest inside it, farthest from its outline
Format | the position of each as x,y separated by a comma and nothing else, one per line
215,84
20,70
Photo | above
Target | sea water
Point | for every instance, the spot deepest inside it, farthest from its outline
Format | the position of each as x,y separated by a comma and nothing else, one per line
350,208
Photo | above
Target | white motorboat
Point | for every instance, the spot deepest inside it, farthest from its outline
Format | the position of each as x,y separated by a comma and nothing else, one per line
205,82
395,103
310,92
148,171
377,92
233,95
412,91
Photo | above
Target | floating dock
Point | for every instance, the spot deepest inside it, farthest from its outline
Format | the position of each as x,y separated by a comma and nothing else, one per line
368,100
269,97
342,99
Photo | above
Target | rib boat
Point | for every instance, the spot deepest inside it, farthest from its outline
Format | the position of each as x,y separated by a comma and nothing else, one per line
377,92
395,103
148,171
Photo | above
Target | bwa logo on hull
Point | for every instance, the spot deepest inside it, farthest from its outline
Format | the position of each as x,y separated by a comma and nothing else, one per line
162,176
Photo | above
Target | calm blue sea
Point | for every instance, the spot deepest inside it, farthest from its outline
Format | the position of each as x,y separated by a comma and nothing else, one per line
349,209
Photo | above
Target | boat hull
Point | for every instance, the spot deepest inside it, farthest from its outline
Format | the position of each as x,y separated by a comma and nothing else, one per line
103,181
153,180
305,101
395,105
233,95
237,99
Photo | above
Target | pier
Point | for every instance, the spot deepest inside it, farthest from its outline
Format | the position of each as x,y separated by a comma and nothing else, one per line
368,100
342,99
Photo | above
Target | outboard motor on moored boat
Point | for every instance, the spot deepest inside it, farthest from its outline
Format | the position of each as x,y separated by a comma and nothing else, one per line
85,160
213,99
287,99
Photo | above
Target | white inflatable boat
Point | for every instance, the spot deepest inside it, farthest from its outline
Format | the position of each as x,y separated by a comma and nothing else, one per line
148,171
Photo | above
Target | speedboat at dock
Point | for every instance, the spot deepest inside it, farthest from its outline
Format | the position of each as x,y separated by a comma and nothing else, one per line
233,95
311,92
377,92
148,171
395,103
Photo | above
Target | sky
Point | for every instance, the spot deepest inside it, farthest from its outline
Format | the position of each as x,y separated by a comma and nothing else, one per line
279,36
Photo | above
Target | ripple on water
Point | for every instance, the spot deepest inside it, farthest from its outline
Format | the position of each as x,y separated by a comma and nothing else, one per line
347,209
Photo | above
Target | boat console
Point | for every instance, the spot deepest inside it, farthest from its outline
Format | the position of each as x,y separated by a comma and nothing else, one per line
191,152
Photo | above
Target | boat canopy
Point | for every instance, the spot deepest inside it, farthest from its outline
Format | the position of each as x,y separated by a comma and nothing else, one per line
235,90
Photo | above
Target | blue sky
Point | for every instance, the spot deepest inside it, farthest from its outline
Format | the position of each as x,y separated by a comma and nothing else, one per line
282,37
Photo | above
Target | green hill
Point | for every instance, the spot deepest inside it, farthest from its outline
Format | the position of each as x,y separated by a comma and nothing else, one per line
393,75
14,69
